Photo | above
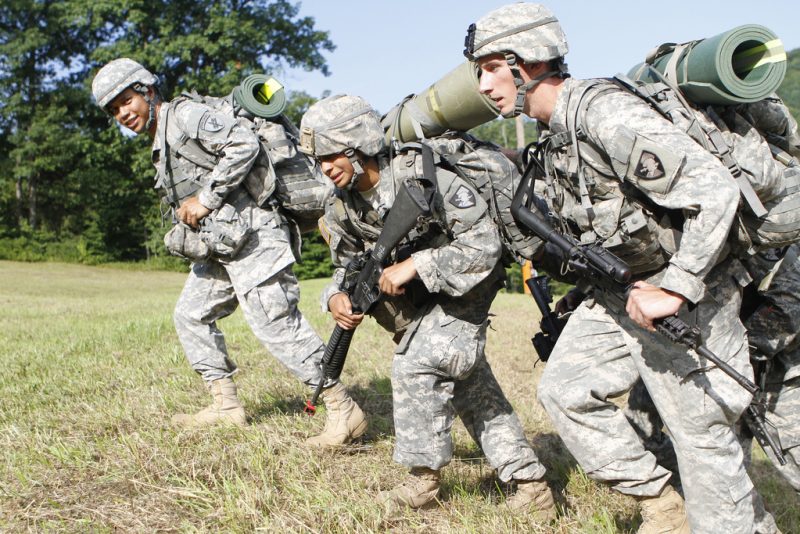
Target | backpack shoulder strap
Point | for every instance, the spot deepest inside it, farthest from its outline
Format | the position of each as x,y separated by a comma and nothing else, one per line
186,147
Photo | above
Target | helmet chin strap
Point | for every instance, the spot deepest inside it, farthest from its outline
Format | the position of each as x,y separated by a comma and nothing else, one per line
358,169
151,104
522,86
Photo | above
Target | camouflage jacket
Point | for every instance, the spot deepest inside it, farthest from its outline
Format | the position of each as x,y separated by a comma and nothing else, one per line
632,166
455,251
234,149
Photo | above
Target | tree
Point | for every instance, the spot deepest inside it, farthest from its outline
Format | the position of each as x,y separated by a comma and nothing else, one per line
790,88
65,168
502,132
210,45
39,43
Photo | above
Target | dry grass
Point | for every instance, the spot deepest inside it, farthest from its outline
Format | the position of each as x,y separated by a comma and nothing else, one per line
92,372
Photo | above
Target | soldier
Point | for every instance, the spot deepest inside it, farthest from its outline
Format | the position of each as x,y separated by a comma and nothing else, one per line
774,335
613,166
256,272
439,369
772,320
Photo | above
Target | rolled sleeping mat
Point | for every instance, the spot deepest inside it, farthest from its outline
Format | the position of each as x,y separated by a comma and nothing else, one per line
452,103
743,65
261,95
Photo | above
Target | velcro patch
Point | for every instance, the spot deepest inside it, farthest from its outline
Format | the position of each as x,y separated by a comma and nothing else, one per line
649,166
211,124
323,230
463,198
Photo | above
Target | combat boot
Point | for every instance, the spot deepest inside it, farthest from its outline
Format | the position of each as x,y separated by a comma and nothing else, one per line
663,514
418,490
534,497
345,422
225,407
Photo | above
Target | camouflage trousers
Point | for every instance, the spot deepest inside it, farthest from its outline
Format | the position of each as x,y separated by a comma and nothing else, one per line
270,310
774,330
601,354
440,371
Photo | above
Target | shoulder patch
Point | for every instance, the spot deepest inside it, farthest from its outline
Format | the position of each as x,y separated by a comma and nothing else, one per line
649,167
463,198
211,123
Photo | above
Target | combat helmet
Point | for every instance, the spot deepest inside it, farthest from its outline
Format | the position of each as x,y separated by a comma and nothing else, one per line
342,124
119,74
524,31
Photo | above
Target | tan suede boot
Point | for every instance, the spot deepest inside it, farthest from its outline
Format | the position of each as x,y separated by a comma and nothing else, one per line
534,497
225,407
345,422
664,514
418,490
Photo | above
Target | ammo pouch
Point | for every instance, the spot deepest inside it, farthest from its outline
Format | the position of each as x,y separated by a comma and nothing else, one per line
185,242
223,232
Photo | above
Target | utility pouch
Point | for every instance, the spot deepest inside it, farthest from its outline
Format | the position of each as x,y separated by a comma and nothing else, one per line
185,242
224,233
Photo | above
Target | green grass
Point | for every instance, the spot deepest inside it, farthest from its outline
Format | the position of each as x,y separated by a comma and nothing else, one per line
92,372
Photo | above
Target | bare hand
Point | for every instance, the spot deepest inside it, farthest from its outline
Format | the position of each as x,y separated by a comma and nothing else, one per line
648,302
569,302
342,311
192,212
396,276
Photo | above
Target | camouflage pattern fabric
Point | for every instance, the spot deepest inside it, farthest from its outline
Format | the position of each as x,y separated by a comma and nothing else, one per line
535,35
774,330
259,276
270,310
601,353
439,368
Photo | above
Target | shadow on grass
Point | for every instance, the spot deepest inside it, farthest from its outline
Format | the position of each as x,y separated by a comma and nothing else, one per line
375,400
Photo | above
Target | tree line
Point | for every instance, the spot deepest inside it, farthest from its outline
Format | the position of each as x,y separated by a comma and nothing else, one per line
73,187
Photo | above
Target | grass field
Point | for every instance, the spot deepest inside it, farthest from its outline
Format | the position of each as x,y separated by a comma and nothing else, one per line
92,372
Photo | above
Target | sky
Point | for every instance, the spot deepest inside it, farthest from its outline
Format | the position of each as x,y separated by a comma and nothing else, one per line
389,49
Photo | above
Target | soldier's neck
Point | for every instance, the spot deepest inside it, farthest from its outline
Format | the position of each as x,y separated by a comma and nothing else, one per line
371,176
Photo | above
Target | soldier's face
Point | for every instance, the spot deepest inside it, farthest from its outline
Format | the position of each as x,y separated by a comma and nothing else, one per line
131,110
497,82
338,168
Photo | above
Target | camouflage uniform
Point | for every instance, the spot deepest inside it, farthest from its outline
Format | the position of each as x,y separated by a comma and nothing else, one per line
773,326
773,332
259,276
439,369
601,353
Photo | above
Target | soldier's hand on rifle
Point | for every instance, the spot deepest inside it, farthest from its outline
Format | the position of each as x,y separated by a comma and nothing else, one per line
569,302
342,311
192,212
647,302
394,277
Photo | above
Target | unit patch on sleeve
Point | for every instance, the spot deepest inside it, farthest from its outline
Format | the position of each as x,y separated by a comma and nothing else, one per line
211,124
649,166
463,198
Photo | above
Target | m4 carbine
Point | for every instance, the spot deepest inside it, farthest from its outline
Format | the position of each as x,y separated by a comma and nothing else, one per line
604,270
364,271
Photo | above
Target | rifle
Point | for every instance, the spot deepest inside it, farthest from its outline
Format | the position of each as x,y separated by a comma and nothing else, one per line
551,324
604,270
363,272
